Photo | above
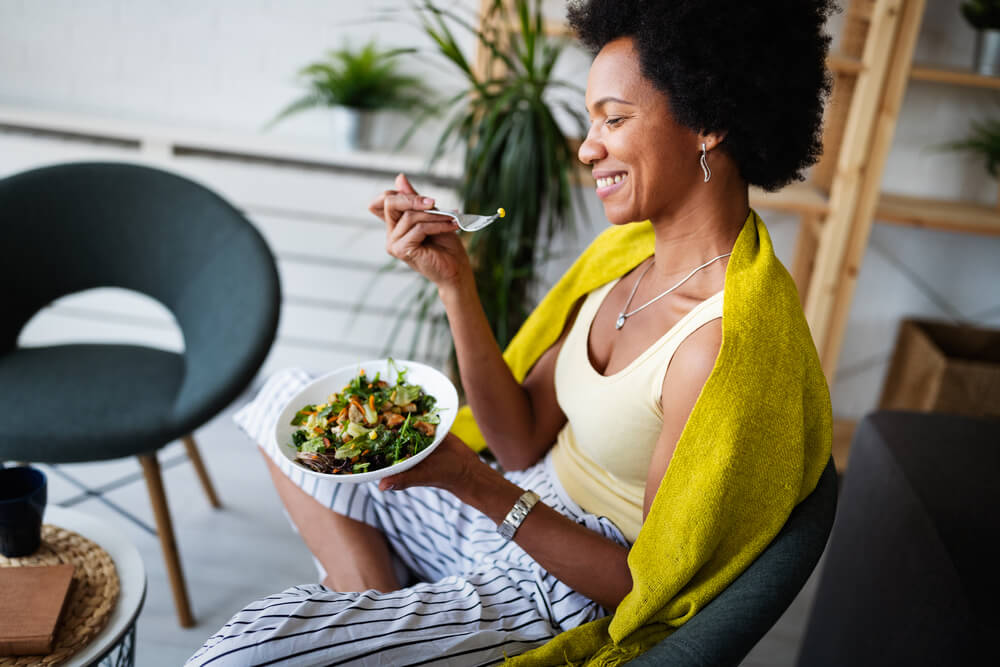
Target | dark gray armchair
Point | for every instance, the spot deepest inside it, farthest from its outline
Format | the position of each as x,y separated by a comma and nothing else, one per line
72,227
911,575
730,626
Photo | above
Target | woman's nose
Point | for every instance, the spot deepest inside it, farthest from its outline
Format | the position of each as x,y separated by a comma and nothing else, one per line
592,149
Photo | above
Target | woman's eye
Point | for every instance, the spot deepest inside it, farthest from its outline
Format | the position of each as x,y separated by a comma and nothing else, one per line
614,121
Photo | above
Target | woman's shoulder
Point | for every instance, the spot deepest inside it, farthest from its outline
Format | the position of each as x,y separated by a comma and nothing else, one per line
695,357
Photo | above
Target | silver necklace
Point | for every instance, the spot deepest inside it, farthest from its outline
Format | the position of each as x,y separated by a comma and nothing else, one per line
622,316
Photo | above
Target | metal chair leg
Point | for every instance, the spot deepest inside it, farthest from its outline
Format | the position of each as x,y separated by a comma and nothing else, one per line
199,467
154,483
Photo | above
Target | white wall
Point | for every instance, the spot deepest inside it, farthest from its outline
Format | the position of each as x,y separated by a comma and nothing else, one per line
223,64
228,65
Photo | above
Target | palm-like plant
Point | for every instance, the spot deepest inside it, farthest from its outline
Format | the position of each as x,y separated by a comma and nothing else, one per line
983,140
516,155
365,79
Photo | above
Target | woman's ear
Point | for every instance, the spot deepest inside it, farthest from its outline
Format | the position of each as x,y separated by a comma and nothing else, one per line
710,139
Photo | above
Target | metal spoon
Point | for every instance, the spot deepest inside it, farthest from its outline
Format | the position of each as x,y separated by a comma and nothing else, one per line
468,222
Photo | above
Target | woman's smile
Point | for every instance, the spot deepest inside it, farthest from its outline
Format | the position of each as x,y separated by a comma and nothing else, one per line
608,182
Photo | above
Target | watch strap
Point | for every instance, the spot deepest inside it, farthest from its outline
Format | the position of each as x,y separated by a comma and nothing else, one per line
516,515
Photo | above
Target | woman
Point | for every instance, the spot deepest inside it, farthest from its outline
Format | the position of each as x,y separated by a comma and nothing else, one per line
684,114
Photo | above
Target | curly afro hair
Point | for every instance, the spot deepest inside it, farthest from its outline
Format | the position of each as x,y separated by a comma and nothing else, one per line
754,70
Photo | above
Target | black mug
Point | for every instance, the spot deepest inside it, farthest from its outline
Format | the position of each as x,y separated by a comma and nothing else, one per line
23,492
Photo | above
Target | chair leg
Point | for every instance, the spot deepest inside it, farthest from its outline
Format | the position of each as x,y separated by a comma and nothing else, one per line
154,483
199,467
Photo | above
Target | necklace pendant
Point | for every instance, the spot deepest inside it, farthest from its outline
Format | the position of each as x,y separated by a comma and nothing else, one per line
620,322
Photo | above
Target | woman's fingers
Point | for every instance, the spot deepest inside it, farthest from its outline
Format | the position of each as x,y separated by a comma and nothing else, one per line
395,204
402,243
403,186
409,219
448,466
377,207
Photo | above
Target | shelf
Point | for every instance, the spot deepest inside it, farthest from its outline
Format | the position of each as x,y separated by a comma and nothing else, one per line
796,198
954,76
945,215
939,214
842,64
159,141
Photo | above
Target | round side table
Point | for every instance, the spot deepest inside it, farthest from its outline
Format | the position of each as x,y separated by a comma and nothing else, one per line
115,644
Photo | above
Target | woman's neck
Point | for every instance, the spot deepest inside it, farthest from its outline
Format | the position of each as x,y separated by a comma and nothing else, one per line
703,227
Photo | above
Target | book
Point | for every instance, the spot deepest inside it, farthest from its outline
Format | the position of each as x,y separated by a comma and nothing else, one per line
31,602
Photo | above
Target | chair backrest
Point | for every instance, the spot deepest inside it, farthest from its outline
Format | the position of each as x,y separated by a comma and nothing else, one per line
725,630
76,226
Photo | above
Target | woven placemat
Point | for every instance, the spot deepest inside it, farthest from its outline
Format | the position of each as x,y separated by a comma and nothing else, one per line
91,598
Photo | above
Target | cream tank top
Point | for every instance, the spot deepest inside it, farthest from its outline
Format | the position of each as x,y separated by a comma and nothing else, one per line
602,454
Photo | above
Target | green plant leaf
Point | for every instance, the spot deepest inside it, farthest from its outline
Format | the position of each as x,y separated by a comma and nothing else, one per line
515,153
367,78
983,140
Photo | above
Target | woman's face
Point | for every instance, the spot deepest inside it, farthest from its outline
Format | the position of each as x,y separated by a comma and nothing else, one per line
643,161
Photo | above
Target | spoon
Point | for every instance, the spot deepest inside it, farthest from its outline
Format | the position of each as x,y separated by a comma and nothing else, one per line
468,222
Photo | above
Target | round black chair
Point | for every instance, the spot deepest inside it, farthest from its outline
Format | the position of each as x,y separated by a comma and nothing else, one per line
72,227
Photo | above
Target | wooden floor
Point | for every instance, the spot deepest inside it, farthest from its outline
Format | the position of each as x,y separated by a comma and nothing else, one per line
245,550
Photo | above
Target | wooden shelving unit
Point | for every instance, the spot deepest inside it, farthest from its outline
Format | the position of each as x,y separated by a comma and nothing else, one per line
954,77
803,198
953,216
871,71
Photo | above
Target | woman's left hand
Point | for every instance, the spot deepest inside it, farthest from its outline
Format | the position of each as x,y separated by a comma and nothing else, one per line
448,467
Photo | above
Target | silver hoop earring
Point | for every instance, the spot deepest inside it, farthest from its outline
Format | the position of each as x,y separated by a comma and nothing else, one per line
704,163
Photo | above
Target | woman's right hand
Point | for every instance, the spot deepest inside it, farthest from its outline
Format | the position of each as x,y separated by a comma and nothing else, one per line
424,241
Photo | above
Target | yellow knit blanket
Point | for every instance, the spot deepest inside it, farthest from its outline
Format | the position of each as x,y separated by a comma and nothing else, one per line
754,446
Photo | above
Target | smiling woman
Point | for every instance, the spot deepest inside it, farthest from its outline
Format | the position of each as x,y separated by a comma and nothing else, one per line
658,416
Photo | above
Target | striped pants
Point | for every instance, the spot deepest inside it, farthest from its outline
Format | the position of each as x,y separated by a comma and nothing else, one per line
481,598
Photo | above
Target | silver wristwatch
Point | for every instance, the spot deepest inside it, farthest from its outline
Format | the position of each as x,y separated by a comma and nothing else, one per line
516,514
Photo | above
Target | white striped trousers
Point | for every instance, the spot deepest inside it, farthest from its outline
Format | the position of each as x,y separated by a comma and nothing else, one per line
481,598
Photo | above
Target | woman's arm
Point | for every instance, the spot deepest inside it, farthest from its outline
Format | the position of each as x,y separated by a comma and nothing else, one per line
689,368
519,421
582,559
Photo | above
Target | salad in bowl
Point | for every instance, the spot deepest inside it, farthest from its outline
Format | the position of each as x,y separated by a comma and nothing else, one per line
367,421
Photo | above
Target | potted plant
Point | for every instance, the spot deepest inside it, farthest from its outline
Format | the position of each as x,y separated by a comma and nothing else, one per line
984,141
515,153
354,84
984,16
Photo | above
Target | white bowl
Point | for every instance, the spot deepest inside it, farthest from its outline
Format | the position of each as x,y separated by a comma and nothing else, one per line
434,382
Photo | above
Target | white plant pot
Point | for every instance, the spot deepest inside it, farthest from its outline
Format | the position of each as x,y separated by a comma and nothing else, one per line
988,52
352,128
